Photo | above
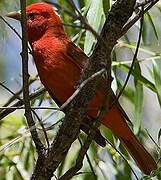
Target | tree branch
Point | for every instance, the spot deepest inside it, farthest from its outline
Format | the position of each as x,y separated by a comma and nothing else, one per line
25,76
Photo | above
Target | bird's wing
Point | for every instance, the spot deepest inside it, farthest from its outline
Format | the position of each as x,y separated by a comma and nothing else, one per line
76,54
78,57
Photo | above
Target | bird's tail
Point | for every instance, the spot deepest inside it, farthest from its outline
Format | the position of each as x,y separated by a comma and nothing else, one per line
142,158
116,122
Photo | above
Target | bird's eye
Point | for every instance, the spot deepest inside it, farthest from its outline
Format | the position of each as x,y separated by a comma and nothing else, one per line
31,16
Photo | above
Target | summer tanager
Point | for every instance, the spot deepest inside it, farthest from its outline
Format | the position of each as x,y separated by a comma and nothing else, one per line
60,62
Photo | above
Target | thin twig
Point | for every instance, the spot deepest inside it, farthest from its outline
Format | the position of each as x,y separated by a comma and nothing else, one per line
136,18
13,29
88,160
9,110
144,3
152,139
133,61
83,20
16,96
69,99
43,128
74,26
22,107
13,98
26,133
81,86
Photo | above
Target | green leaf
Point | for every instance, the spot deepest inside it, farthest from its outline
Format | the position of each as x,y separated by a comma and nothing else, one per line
153,25
157,78
128,92
144,30
138,96
95,18
140,78
133,46
106,6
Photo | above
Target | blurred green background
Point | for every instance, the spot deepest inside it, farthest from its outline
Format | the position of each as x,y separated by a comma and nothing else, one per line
141,98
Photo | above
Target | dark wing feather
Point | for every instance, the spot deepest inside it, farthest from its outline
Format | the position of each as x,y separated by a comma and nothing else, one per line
76,55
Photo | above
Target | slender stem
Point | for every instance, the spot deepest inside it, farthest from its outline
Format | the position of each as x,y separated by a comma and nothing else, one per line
25,77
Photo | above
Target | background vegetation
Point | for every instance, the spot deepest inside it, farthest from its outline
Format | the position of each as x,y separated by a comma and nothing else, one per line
141,98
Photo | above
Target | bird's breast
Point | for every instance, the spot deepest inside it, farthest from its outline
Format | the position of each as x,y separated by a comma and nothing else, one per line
57,74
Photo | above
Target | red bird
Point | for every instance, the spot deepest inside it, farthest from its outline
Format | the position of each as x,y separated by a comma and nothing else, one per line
60,62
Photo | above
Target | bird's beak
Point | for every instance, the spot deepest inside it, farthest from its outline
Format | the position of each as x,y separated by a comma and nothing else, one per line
15,15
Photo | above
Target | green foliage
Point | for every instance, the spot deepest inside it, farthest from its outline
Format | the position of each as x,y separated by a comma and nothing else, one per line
17,152
157,78
138,101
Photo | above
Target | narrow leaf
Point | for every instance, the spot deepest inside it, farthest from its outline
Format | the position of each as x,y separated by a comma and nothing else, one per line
95,17
140,78
138,100
157,78
153,25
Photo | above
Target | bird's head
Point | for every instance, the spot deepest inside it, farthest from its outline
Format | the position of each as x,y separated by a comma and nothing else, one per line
41,18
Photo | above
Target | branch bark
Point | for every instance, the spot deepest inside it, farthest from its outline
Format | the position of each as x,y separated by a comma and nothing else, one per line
25,76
